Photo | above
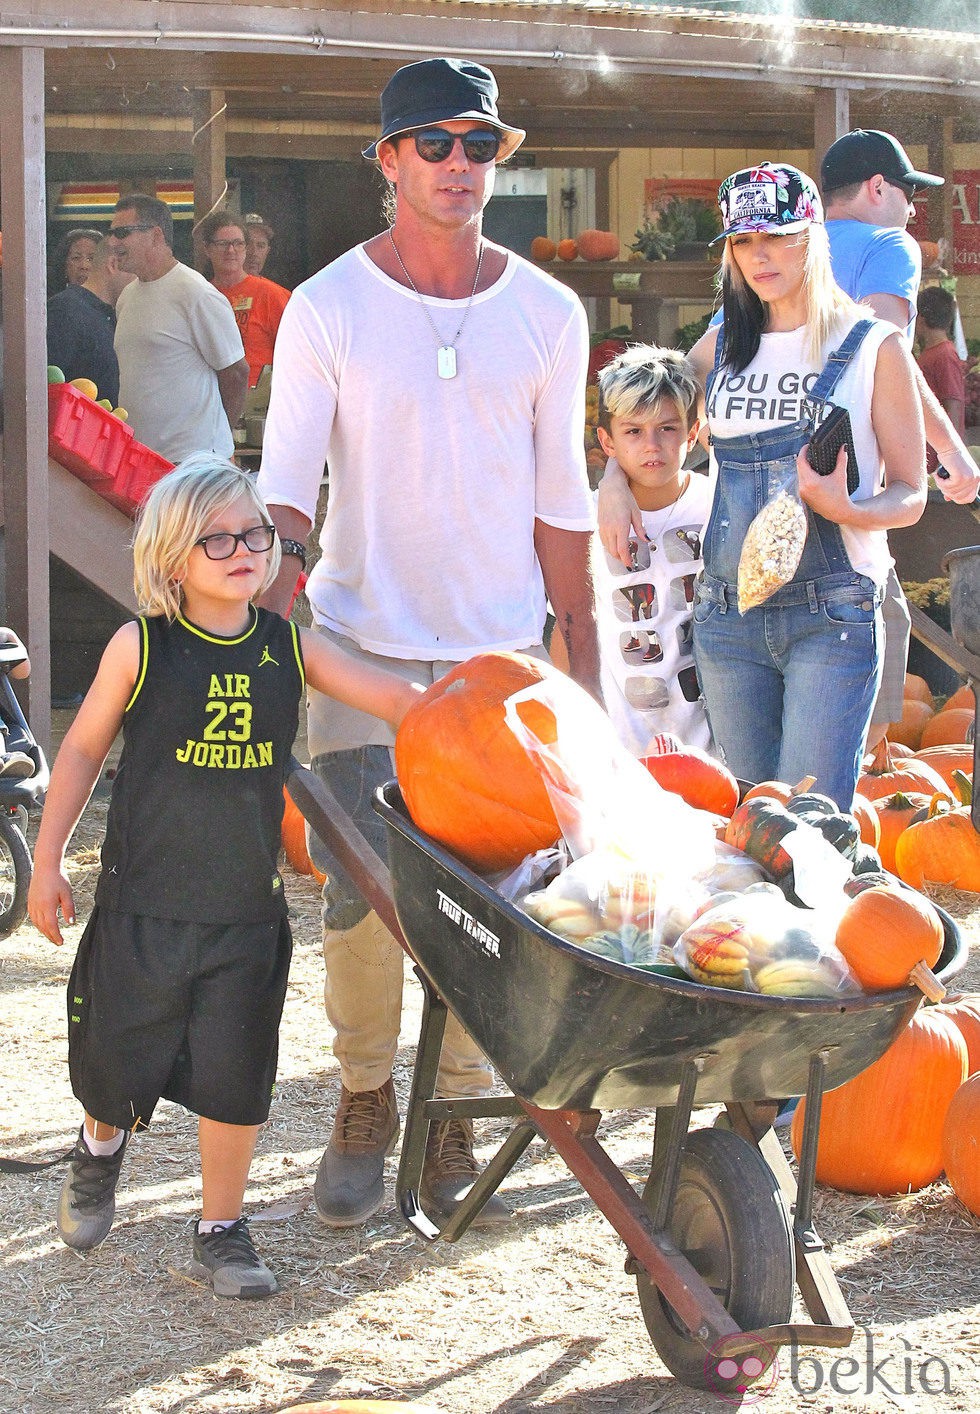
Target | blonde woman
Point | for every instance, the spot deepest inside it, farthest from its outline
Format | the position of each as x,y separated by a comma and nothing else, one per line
790,684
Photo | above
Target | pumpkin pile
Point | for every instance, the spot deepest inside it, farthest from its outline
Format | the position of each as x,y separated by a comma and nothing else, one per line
923,725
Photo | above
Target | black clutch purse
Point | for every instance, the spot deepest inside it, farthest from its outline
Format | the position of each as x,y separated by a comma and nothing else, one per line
832,434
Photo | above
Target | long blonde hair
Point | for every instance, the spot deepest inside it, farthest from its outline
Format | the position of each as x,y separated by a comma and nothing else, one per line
827,307
175,515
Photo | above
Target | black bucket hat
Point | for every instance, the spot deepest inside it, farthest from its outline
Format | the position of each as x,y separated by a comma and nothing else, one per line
440,91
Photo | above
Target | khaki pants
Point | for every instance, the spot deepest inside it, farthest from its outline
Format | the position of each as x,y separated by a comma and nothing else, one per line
364,965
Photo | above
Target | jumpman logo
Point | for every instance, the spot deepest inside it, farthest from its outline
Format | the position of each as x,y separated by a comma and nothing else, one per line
267,657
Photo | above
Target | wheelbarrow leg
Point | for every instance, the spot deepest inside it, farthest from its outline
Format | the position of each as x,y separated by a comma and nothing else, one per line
822,1296
423,1110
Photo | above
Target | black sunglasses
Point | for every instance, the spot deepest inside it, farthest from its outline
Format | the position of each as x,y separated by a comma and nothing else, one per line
223,544
906,188
121,232
435,144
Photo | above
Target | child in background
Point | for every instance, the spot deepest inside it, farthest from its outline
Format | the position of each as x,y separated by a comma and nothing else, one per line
14,764
648,402
180,976
938,359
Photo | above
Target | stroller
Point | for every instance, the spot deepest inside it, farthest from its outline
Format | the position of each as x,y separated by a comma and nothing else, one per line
19,794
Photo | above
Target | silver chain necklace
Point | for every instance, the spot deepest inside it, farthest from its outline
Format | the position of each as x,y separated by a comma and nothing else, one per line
446,355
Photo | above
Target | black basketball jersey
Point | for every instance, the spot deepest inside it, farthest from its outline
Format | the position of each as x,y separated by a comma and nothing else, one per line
195,816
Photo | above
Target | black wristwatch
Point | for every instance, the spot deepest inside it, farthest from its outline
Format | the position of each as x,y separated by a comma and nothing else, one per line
294,547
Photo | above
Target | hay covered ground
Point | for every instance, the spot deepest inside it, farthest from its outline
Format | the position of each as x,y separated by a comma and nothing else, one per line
540,1317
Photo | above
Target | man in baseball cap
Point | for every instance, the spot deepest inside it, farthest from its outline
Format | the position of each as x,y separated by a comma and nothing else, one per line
866,153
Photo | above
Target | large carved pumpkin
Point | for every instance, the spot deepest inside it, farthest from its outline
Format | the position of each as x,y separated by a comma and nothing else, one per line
466,779
882,1131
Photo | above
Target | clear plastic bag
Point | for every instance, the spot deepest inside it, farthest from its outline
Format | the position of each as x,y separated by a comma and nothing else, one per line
773,544
759,942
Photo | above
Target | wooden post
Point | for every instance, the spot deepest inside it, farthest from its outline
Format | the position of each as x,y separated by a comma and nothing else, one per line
940,206
25,360
831,120
208,150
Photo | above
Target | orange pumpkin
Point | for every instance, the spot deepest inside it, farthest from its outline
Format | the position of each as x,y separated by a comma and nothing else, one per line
891,936
952,724
543,248
567,250
909,728
894,814
778,790
693,774
961,1144
949,757
882,1131
964,696
889,773
294,839
864,813
466,779
943,849
965,1014
918,688
597,245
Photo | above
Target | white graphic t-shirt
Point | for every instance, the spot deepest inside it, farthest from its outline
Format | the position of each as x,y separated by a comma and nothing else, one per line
773,391
645,619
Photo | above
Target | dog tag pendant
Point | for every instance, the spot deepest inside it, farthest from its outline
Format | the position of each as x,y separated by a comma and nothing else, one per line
446,362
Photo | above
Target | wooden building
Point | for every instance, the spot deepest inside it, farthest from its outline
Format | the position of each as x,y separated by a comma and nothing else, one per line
277,97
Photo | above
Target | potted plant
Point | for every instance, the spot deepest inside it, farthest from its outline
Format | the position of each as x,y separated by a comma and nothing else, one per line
680,229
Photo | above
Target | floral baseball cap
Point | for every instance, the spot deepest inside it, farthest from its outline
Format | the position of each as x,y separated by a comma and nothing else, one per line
773,197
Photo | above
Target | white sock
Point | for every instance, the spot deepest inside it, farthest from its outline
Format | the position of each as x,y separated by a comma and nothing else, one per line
207,1225
102,1148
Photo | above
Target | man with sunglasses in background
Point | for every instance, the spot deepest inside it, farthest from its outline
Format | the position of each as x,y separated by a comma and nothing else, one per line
441,378
183,375
869,186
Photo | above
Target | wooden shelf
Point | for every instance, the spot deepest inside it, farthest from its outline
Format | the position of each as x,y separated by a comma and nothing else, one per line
651,288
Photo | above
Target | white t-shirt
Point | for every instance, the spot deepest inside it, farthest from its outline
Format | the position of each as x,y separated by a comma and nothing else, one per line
771,391
644,618
173,336
434,484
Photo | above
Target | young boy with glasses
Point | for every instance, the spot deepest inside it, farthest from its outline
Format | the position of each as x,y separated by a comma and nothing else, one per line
180,976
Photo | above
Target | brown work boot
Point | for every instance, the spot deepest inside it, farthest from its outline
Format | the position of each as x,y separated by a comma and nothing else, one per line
349,1185
449,1171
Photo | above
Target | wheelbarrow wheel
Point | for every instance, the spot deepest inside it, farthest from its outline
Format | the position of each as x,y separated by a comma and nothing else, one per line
731,1223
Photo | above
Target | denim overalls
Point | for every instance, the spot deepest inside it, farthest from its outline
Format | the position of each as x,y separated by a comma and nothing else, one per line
789,686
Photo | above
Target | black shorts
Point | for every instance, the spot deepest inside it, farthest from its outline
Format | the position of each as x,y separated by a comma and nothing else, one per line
186,1011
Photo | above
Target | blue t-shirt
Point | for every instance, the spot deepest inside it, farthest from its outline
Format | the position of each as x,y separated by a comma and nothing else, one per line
873,260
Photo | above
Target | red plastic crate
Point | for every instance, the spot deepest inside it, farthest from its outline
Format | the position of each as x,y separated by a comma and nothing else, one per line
86,439
139,469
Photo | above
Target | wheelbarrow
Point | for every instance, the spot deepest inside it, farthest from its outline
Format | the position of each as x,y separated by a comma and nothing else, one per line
722,1231
963,568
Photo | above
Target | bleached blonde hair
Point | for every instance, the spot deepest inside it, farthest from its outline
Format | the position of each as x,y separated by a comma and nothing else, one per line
635,381
828,308
175,515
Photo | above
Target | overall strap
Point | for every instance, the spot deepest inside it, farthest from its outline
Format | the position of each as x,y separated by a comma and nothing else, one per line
719,350
837,363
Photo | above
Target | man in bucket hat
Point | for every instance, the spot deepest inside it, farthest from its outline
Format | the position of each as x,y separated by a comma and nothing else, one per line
439,376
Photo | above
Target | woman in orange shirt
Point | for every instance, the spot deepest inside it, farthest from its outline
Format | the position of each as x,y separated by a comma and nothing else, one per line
258,303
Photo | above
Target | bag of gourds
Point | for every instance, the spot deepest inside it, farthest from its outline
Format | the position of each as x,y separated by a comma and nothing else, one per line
757,941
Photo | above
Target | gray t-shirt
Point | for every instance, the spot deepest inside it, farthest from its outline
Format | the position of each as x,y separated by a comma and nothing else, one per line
173,336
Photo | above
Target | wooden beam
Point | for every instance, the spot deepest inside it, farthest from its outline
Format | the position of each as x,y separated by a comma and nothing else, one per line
831,120
209,152
25,391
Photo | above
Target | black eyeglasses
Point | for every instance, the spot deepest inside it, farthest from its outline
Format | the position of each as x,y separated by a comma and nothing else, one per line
222,545
121,232
229,245
435,144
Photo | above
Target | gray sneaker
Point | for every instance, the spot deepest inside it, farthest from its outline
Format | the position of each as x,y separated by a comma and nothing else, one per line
349,1184
87,1204
227,1259
449,1171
